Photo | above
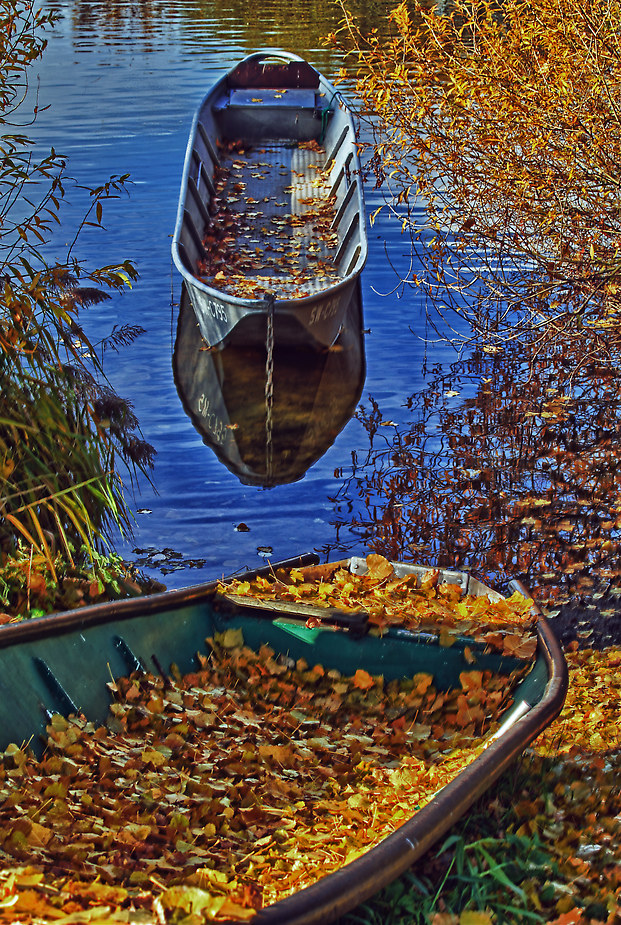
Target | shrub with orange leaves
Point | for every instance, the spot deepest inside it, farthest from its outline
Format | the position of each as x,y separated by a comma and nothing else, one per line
502,121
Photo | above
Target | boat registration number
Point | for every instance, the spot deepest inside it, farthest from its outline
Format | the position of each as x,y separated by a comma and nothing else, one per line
216,310
325,310
212,421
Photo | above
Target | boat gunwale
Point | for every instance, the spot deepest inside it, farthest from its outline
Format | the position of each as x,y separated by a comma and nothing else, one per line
255,304
130,607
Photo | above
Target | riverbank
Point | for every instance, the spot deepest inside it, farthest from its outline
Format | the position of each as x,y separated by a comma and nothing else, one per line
33,586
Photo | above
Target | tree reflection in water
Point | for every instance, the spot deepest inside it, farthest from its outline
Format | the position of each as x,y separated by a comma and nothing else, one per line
521,478
241,23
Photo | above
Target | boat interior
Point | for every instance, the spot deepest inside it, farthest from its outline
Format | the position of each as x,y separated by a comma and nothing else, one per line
284,143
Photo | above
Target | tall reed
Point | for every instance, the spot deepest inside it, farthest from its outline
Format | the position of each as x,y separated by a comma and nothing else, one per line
66,437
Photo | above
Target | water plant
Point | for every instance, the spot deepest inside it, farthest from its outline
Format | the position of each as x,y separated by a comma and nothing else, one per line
64,432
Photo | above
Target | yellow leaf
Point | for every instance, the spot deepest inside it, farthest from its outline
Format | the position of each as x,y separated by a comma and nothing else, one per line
231,638
472,917
154,757
191,899
6,467
430,579
39,834
279,753
236,912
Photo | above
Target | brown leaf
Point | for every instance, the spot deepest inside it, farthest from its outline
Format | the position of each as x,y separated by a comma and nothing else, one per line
378,567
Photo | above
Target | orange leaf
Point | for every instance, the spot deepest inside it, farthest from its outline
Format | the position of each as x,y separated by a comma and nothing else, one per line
379,567
572,917
363,680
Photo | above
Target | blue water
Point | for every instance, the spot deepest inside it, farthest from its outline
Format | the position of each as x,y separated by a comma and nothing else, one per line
122,83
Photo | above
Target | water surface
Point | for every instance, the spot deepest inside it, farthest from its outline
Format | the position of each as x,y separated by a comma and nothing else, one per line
502,464
123,81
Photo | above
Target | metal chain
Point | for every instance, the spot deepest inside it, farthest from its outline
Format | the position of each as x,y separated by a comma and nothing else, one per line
269,386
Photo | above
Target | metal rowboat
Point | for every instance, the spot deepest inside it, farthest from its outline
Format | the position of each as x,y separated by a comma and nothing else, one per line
61,663
271,188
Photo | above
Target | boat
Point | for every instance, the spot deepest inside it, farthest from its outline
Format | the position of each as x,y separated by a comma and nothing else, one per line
268,423
61,664
271,228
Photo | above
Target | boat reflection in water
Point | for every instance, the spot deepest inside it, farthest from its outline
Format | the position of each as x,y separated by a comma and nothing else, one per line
268,429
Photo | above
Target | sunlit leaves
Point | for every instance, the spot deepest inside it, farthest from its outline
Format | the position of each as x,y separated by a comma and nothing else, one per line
220,792
571,799
505,624
504,121
589,719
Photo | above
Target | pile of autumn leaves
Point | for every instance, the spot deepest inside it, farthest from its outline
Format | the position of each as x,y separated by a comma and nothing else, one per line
416,601
571,798
225,790
212,795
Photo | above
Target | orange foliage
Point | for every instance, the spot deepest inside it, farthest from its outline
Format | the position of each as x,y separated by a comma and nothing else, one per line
425,605
502,121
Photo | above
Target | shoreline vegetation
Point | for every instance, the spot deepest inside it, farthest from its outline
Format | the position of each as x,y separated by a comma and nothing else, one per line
495,135
67,440
32,586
